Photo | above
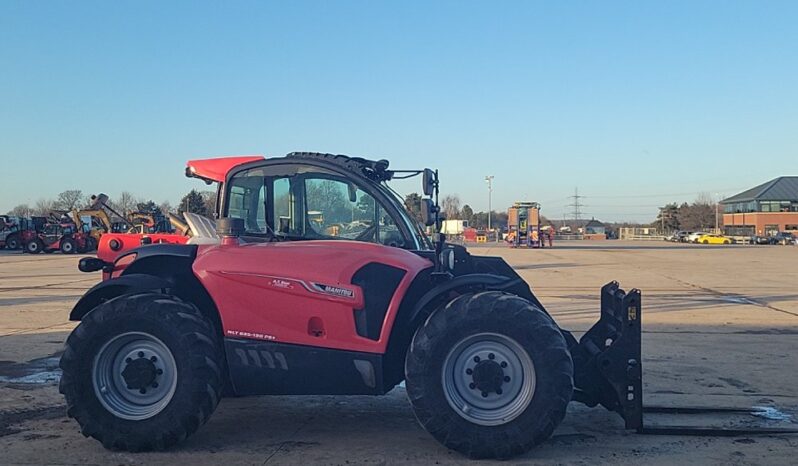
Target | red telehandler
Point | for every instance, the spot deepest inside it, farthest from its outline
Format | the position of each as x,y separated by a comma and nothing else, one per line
318,281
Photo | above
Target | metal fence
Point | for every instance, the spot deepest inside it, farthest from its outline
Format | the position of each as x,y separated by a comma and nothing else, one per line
640,234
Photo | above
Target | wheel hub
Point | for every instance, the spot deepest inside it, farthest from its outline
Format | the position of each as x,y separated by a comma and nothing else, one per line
139,373
134,376
488,379
488,376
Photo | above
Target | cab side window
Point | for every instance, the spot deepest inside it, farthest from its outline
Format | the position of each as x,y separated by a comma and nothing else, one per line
301,203
338,209
247,201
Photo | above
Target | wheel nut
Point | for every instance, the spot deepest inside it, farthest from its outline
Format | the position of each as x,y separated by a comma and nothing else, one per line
472,386
141,354
476,358
143,391
484,394
469,371
498,391
128,360
153,359
155,385
491,356
503,364
506,378
159,371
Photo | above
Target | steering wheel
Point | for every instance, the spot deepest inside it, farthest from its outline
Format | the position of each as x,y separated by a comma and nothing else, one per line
368,232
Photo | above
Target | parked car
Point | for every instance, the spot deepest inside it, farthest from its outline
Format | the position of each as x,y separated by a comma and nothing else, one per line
784,238
681,236
759,239
709,238
693,237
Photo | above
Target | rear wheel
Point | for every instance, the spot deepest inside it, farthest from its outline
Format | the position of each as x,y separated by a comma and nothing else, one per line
142,372
706,241
68,246
34,246
12,241
489,375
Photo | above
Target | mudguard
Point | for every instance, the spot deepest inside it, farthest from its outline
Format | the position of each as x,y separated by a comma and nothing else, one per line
130,283
470,283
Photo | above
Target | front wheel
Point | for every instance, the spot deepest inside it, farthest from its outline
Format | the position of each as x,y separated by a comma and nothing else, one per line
68,246
34,246
142,372
489,375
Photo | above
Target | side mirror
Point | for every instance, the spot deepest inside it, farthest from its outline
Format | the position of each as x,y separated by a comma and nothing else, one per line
428,211
352,192
428,182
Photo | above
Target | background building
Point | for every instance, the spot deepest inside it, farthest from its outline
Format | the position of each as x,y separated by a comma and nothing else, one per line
763,210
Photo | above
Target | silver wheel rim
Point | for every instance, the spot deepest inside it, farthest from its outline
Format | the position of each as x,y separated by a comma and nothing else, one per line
33,246
488,379
134,376
67,247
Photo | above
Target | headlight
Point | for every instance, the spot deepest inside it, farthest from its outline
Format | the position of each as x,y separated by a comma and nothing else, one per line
447,258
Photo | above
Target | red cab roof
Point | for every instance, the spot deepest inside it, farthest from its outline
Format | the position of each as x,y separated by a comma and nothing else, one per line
216,169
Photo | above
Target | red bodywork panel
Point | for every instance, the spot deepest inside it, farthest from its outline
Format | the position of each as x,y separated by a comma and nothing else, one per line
128,241
269,291
216,169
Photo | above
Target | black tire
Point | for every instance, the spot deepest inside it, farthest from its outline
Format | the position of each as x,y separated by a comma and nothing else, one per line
198,364
507,316
12,241
34,246
91,244
68,246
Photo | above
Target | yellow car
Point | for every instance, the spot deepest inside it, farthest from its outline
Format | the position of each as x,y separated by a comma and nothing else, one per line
714,239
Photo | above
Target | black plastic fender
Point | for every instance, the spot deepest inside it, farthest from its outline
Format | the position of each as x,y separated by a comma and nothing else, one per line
131,283
470,283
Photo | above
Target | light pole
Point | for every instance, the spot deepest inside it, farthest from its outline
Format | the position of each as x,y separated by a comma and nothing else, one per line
489,180
717,219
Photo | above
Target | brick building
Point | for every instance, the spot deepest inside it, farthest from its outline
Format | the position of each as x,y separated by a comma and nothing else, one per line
763,210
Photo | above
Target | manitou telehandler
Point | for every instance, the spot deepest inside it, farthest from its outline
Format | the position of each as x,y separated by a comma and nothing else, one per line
318,281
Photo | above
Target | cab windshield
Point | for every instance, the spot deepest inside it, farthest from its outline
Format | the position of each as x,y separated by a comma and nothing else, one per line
299,202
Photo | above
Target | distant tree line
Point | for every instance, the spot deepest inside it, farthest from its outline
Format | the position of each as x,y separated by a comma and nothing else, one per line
695,216
700,215
201,202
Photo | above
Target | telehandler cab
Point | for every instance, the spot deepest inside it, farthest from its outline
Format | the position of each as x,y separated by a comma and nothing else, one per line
320,282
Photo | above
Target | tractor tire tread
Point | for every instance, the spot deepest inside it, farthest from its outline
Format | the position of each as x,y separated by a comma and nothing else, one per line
201,389
534,330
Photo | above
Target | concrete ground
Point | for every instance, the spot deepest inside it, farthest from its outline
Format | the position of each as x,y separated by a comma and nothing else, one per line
720,329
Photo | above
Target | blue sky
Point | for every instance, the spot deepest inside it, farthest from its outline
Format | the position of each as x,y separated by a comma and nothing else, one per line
635,103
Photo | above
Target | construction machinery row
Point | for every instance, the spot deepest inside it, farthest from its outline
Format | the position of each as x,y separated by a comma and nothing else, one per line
79,230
